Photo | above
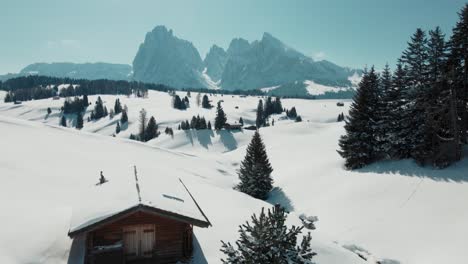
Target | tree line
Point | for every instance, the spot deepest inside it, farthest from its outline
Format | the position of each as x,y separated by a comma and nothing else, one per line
418,111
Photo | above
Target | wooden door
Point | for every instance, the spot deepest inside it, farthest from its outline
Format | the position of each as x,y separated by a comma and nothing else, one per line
147,240
131,242
139,241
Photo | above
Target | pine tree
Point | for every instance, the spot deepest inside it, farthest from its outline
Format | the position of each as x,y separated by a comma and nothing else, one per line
255,170
117,128
142,125
383,112
268,240
397,136
208,126
241,121
117,106
63,121
151,129
124,117
458,67
415,58
357,146
260,120
220,119
85,101
206,102
79,121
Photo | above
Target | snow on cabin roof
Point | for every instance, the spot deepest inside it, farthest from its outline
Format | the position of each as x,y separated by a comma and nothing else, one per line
165,196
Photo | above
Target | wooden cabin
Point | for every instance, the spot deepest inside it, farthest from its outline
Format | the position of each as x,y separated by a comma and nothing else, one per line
235,126
143,233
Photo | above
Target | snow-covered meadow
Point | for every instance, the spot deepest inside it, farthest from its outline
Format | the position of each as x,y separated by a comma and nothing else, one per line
393,212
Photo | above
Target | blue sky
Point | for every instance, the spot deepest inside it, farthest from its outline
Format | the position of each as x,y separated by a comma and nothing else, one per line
349,33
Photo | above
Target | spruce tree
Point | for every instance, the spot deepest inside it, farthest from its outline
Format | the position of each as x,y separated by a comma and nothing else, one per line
85,101
267,240
383,112
358,145
458,67
117,106
63,121
124,117
151,130
396,131
142,124
117,128
260,120
255,170
220,119
206,102
415,57
79,121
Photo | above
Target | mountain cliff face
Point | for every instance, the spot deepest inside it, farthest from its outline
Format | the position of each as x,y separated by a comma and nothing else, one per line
270,62
215,61
91,71
165,59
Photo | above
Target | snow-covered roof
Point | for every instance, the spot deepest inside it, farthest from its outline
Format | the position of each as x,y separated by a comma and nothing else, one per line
120,196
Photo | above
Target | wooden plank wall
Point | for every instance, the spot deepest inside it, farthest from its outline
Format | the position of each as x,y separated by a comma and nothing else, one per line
170,234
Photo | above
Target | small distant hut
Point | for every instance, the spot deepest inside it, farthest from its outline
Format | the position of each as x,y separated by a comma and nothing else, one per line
235,126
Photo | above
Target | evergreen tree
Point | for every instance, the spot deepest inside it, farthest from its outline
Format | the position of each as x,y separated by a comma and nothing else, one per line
99,110
260,120
208,126
124,117
151,129
241,121
85,101
79,121
382,116
357,146
206,102
268,240
255,170
220,119
117,106
117,128
178,103
63,121
458,67
142,125
292,113
397,134
415,58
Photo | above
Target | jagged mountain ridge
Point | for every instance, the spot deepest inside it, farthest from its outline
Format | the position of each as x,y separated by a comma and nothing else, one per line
167,59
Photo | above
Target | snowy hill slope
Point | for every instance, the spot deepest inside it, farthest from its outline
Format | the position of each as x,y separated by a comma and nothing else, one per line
48,171
395,210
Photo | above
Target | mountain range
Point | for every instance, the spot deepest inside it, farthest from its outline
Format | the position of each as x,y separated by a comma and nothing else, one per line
266,64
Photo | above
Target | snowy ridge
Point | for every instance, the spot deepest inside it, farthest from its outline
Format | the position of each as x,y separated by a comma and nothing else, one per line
318,89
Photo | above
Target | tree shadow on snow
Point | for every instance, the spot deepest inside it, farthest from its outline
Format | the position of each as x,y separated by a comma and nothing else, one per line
227,138
277,196
457,172
204,137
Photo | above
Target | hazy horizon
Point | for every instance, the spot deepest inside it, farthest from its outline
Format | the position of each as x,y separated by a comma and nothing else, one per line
348,34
